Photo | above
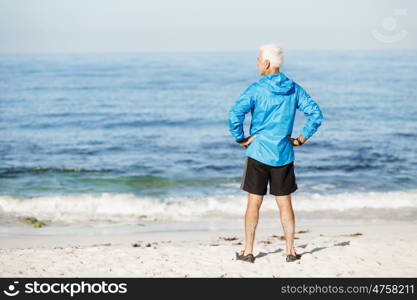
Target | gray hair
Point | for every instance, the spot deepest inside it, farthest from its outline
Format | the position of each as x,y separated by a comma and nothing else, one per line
273,54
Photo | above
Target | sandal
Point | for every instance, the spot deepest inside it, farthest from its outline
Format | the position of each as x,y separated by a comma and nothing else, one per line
291,257
248,257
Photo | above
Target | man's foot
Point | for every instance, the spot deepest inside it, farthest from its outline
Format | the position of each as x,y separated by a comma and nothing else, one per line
294,253
248,257
242,252
291,258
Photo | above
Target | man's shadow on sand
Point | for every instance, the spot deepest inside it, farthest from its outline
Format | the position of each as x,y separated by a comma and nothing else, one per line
317,249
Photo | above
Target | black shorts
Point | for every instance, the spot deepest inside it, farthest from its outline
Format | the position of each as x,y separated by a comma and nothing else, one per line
256,176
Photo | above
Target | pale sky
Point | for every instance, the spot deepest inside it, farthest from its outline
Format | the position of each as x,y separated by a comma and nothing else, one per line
74,26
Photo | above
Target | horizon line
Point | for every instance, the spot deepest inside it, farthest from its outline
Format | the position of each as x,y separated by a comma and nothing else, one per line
196,51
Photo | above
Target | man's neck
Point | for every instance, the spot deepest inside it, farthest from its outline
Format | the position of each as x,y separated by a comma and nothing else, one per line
273,71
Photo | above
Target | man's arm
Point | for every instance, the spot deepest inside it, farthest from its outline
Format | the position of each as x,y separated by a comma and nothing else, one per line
238,111
313,113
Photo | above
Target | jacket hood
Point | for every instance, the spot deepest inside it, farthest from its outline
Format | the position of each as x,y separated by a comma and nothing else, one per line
278,84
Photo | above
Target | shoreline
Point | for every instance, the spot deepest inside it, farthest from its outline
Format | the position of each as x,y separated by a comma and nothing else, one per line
329,249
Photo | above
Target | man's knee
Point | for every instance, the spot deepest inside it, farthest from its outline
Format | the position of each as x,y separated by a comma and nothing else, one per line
255,201
283,201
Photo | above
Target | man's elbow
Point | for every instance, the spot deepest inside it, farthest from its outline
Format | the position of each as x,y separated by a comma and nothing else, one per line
318,118
318,122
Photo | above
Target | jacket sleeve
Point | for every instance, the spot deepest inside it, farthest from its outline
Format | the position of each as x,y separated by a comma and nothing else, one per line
312,111
238,111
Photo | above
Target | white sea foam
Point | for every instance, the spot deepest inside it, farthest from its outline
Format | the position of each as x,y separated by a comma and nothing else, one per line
127,207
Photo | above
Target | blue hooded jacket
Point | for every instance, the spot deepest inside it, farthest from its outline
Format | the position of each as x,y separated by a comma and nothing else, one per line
273,101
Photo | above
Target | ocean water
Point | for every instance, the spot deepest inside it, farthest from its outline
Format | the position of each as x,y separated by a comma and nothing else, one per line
135,136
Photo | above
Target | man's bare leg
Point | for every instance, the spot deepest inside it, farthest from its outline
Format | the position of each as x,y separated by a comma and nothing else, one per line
251,221
287,220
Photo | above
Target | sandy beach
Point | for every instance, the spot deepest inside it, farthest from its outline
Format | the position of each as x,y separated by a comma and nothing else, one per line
329,249
126,132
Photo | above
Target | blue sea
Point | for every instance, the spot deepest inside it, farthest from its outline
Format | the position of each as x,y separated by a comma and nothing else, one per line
144,136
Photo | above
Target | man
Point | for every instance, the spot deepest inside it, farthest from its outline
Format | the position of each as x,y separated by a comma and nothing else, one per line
272,101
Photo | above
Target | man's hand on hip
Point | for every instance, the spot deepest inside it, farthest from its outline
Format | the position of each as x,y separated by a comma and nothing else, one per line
298,141
245,143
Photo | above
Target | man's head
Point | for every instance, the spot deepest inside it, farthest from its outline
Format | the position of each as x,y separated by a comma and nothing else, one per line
270,59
